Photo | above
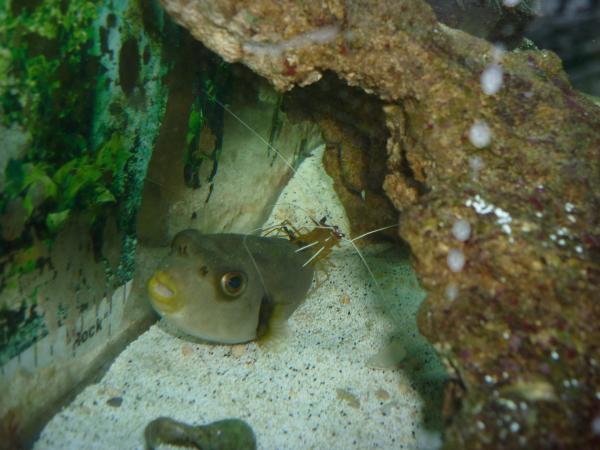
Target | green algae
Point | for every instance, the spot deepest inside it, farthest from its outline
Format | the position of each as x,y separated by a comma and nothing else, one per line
206,117
46,67
87,85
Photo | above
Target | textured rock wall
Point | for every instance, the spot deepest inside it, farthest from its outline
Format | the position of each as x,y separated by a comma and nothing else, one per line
513,286
353,128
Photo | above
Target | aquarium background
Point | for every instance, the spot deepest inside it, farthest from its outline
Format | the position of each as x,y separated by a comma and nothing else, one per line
114,132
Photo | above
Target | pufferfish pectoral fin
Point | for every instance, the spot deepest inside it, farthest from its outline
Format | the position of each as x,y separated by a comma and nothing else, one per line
272,329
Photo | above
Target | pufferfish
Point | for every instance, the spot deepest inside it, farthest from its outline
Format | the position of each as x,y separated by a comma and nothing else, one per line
229,288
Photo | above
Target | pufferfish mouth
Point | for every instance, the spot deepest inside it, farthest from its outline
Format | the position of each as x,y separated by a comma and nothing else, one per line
163,292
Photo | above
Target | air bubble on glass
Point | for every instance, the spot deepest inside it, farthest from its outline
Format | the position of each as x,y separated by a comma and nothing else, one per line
461,230
455,260
480,134
491,79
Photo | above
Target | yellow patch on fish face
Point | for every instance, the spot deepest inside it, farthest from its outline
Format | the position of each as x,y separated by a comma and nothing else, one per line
163,292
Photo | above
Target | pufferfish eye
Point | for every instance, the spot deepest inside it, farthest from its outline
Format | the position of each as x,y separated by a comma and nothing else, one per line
233,284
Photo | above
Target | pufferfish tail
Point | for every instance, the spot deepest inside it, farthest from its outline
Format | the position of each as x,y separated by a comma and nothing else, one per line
273,329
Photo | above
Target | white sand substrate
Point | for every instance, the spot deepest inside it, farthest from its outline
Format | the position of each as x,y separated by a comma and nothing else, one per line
316,390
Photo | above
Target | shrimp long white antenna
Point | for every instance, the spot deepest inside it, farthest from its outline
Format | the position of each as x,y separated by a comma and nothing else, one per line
255,133
312,244
351,241
377,230
254,263
266,230
313,257
364,261
371,232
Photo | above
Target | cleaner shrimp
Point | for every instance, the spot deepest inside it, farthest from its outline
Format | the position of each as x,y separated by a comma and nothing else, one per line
323,233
